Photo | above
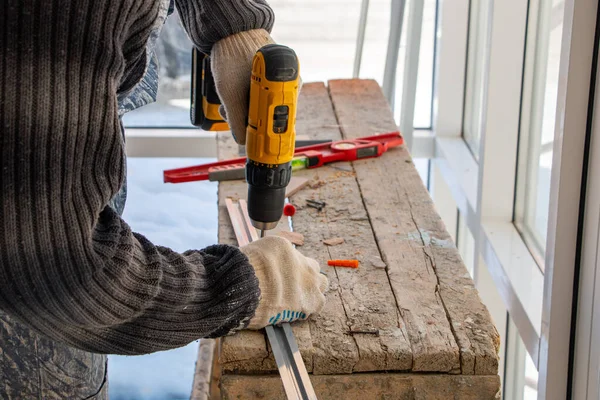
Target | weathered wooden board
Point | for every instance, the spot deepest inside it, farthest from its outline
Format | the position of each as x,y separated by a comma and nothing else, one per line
410,306
296,184
449,328
367,386
367,302
207,371
360,328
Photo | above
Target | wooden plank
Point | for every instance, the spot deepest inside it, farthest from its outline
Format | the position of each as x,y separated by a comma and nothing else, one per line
251,229
237,222
296,184
215,379
448,326
358,300
370,386
201,384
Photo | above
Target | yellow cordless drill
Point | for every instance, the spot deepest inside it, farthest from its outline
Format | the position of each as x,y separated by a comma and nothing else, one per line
270,132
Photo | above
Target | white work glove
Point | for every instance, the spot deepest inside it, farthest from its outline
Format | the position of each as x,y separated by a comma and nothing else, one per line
231,65
291,285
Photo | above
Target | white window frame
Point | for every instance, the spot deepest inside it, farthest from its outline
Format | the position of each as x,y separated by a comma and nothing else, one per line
579,28
171,142
488,212
540,305
586,383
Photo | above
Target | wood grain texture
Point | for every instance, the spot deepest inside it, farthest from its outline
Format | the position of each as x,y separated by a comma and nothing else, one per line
237,222
248,222
409,307
296,184
359,300
448,326
35,367
367,386
201,385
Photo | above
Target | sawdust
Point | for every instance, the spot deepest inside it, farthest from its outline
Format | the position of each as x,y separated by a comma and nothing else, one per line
333,241
340,174
316,184
294,237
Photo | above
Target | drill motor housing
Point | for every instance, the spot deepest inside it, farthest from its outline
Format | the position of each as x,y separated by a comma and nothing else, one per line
271,132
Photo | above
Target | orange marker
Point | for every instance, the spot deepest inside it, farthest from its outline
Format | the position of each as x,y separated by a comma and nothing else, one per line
343,263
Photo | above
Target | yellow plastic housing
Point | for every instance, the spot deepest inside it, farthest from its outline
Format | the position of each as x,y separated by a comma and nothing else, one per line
263,145
213,120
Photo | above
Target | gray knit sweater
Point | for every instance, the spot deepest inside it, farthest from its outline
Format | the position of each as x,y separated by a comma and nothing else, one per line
70,267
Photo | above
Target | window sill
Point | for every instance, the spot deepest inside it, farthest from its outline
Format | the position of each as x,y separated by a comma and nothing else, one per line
517,277
176,143
514,271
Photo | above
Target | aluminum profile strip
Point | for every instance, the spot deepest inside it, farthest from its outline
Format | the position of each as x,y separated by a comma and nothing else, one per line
295,379
296,382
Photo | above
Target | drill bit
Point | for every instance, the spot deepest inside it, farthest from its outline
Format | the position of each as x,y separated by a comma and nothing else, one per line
262,233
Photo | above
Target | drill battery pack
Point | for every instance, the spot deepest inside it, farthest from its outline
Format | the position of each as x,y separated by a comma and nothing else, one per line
205,102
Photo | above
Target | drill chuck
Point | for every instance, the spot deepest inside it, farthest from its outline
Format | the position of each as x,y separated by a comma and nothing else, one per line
266,192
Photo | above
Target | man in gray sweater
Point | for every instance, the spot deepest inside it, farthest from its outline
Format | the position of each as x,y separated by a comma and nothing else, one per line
73,276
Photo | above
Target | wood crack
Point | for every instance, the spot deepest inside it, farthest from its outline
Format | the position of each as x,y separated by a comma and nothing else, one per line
384,258
348,322
438,285
266,358
341,293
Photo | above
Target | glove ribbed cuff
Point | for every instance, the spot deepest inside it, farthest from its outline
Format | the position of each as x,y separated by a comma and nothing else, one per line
267,287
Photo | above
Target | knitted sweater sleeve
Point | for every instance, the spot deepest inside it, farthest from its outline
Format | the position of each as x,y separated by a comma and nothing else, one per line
208,21
70,267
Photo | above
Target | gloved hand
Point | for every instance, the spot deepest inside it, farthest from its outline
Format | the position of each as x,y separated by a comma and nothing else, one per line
291,284
231,65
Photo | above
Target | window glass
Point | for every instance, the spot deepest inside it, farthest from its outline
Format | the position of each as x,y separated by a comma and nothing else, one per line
466,244
424,94
538,111
172,106
520,376
474,90
422,165
531,380
424,98
324,39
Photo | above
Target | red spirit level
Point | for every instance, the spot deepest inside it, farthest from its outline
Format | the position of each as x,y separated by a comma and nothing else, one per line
304,157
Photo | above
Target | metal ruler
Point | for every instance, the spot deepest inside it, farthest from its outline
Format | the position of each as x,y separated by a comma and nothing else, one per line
296,382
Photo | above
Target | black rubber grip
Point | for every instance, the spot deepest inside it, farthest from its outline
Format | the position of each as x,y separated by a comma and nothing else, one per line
266,190
196,115
265,204
268,177
202,88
